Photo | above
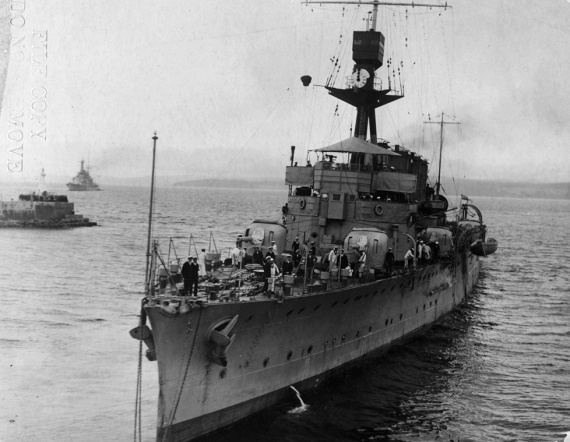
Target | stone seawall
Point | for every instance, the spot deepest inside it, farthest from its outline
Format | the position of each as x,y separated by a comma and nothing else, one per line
41,214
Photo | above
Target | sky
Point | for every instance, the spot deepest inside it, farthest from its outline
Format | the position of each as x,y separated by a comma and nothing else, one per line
220,83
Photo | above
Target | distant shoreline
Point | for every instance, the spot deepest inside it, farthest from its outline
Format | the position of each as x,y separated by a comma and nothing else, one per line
471,188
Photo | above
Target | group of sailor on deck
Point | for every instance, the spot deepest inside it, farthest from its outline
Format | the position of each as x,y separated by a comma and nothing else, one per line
336,260
192,270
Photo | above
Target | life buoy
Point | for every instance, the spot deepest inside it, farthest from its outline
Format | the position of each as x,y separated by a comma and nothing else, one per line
378,210
303,204
362,241
257,236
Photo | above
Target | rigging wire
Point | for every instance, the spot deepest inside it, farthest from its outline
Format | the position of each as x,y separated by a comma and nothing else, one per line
233,158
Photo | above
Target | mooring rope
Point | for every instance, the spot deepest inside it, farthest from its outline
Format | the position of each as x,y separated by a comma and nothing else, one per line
138,400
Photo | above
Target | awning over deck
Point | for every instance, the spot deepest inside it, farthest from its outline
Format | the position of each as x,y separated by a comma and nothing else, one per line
357,145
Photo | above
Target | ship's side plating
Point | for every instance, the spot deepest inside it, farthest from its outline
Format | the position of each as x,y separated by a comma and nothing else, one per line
300,341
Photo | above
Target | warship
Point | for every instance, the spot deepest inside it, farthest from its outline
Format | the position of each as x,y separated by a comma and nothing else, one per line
366,256
82,181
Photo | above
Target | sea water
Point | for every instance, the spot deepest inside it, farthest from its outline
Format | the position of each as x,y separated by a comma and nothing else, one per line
497,369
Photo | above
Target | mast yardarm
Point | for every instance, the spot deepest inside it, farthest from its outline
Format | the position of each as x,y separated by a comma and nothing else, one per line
368,55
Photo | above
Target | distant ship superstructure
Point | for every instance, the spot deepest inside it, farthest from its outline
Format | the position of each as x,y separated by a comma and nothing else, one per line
83,181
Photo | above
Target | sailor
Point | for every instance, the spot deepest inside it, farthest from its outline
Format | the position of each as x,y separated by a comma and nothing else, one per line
333,258
190,275
297,256
258,256
267,272
426,253
236,256
241,257
270,272
311,259
389,261
270,254
274,247
202,262
295,245
343,260
288,266
274,274
284,212
313,248
409,258
361,265
420,252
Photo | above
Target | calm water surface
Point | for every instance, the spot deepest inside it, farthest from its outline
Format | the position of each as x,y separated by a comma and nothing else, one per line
497,369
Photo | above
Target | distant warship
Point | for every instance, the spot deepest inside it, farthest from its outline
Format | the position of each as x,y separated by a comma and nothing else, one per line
83,181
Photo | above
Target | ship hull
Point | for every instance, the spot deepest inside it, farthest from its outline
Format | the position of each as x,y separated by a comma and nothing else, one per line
82,188
301,341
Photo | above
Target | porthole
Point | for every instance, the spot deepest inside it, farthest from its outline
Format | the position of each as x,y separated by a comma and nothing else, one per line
386,323
391,320
346,300
265,362
334,341
358,333
249,318
301,311
344,337
326,344
289,355
369,329
401,316
310,349
424,306
375,293
317,307
289,312
223,374
334,304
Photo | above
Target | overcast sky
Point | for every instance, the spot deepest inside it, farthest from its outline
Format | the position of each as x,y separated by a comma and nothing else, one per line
220,82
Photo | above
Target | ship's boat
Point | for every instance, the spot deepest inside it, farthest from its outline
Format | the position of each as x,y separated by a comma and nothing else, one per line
486,248
82,181
347,288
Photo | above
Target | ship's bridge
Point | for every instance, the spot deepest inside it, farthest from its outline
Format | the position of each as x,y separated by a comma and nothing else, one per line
354,184
368,169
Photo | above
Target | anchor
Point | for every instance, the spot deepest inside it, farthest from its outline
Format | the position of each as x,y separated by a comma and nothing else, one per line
220,335
145,333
